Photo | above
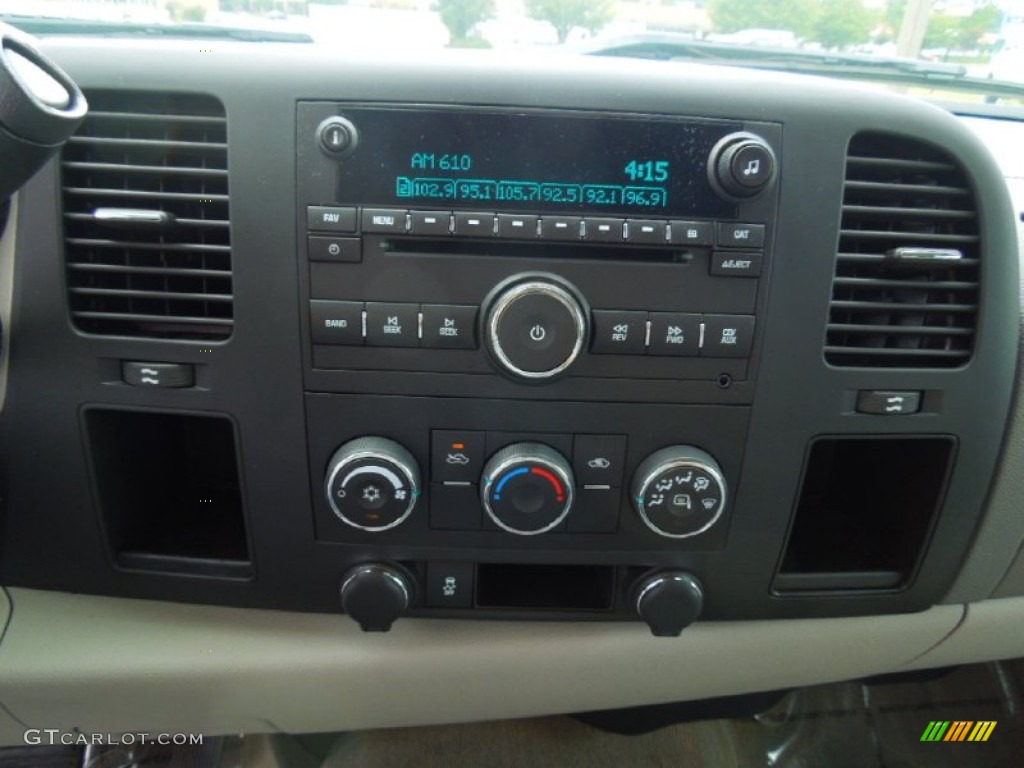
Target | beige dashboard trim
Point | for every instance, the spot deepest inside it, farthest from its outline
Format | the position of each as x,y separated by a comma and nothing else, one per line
100,664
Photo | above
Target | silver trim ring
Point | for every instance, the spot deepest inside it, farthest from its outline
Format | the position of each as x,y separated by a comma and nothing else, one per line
641,507
375,569
514,294
379,456
500,470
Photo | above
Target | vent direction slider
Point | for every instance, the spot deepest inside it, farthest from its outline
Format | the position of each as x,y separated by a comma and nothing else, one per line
940,257
132,217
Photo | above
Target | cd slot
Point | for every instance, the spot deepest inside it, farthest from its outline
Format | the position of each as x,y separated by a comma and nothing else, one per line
536,248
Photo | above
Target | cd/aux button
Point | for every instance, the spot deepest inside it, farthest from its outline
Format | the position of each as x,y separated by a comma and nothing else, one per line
728,335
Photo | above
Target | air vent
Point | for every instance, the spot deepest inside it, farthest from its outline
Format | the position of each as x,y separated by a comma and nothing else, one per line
146,232
906,285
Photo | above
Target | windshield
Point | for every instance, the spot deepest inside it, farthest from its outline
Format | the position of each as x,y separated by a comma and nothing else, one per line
927,46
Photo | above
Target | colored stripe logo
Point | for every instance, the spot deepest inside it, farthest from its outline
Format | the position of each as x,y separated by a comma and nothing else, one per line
958,730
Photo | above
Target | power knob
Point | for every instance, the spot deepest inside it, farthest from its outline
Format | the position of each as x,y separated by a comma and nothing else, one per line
679,491
535,327
741,166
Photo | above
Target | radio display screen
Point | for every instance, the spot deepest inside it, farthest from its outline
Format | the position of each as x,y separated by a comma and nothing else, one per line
532,161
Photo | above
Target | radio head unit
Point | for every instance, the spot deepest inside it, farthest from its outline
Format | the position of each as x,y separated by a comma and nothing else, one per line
546,162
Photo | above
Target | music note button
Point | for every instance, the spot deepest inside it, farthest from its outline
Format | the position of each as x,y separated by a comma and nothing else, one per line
751,166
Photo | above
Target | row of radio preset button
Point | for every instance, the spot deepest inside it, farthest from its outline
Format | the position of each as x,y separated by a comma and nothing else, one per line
524,227
672,333
385,324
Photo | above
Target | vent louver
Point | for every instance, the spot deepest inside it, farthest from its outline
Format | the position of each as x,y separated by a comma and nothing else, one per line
906,286
146,230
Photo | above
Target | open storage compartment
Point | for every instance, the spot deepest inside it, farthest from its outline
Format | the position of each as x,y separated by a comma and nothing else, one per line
865,510
169,491
545,587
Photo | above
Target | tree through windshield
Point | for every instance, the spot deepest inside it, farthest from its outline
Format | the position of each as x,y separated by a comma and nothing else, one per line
984,37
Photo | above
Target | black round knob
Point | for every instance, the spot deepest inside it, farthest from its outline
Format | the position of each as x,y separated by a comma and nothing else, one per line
535,328
679,491
527,488
337,137
741,166
669,601
372,483
374,595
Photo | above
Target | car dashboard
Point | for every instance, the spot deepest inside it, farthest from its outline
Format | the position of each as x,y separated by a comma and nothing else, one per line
549,386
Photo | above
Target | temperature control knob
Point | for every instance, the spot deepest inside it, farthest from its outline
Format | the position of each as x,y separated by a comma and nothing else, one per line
679,491
372,483
741,165
535,327
527,488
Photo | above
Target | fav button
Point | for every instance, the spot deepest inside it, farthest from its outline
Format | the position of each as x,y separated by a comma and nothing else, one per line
323,218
